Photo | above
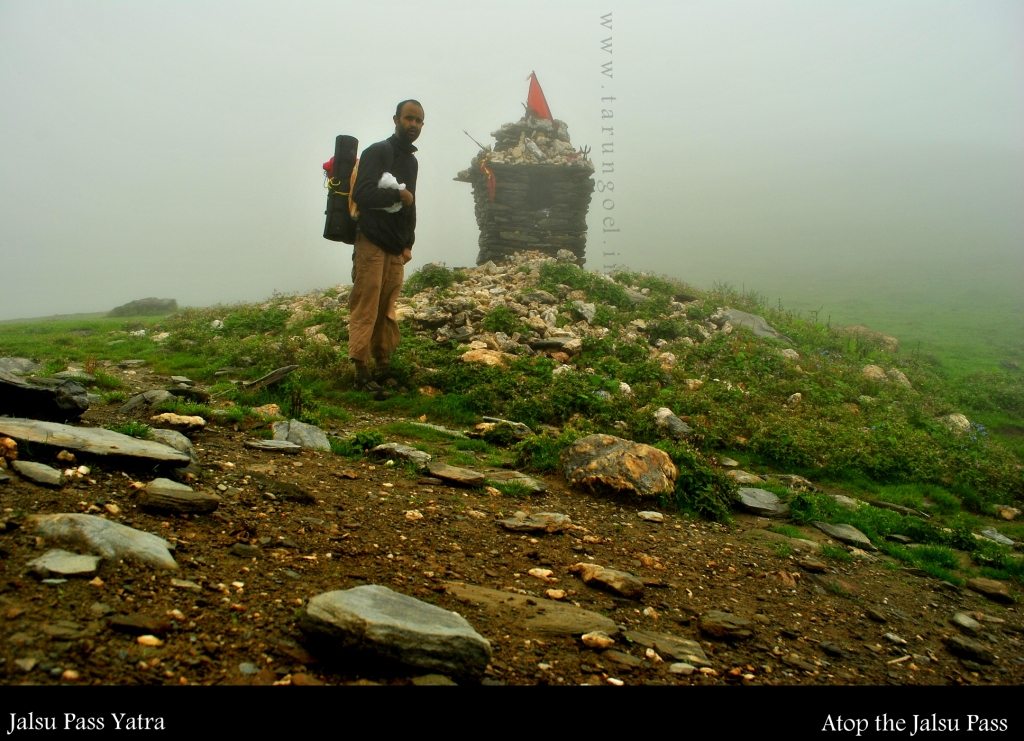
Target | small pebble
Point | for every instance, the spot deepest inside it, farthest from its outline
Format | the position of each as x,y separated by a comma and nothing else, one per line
682,668
597,639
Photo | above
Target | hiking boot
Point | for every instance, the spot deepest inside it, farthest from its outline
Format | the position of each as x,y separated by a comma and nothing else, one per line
382,372
364,382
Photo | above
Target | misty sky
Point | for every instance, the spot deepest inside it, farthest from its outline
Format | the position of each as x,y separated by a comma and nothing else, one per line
173,149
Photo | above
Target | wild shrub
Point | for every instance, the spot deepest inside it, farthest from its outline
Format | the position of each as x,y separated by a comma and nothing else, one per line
598,288
356,445
700,488
997,562
657,286
247,320
668,329
806,507
503,319
431,275
542,453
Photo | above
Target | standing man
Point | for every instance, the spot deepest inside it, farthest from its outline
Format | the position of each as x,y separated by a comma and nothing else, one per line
386,231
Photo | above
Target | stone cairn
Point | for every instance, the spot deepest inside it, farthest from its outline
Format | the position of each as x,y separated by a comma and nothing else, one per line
531,191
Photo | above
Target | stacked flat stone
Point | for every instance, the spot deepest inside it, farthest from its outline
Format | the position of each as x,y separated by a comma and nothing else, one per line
543,187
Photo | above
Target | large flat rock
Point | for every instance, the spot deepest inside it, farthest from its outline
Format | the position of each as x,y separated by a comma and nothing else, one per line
617,582
400,452
456,475
111,540
995,590
725,625
39,473
376,624
753,322
535,614
274,446
302,434
761,502
670,646
164,495
49,398
846,534
534,486
536,522
176,440
59,563
95,440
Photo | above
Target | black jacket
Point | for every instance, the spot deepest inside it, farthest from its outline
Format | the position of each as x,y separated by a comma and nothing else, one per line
392,232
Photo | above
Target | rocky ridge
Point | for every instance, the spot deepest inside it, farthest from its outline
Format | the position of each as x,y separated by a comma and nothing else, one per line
570,585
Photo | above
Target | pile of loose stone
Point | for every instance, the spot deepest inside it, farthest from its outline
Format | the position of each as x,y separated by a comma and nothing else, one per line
513,285
533,140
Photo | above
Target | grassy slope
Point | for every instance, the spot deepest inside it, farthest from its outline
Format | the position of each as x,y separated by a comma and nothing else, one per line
967,324
891,449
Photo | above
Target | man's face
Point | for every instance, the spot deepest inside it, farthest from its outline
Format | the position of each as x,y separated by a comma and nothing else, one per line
409,123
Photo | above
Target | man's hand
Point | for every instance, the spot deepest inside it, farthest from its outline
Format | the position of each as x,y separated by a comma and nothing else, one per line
406,253
406,196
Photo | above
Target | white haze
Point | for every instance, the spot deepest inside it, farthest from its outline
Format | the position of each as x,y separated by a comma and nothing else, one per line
173,149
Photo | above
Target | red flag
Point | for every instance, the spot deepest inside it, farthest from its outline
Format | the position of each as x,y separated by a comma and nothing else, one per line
535,100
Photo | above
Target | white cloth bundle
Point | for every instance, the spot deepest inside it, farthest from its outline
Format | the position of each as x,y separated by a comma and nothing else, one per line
387,180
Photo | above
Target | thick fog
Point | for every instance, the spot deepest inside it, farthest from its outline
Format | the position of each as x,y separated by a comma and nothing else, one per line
798,147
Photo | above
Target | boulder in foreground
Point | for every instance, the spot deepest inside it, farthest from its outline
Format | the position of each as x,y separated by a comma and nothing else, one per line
609,463
377,625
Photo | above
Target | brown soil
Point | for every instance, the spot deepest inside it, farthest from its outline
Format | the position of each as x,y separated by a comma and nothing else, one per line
239,626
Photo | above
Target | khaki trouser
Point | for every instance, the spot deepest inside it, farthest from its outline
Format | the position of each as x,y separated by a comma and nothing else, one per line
376,282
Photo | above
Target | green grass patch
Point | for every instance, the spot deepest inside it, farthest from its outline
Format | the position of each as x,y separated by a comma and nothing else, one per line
105,380
935,561
186,408
355,446
411,430
835,553
133,429
114,397
512,489
782,550
79,339
475,446
788,530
